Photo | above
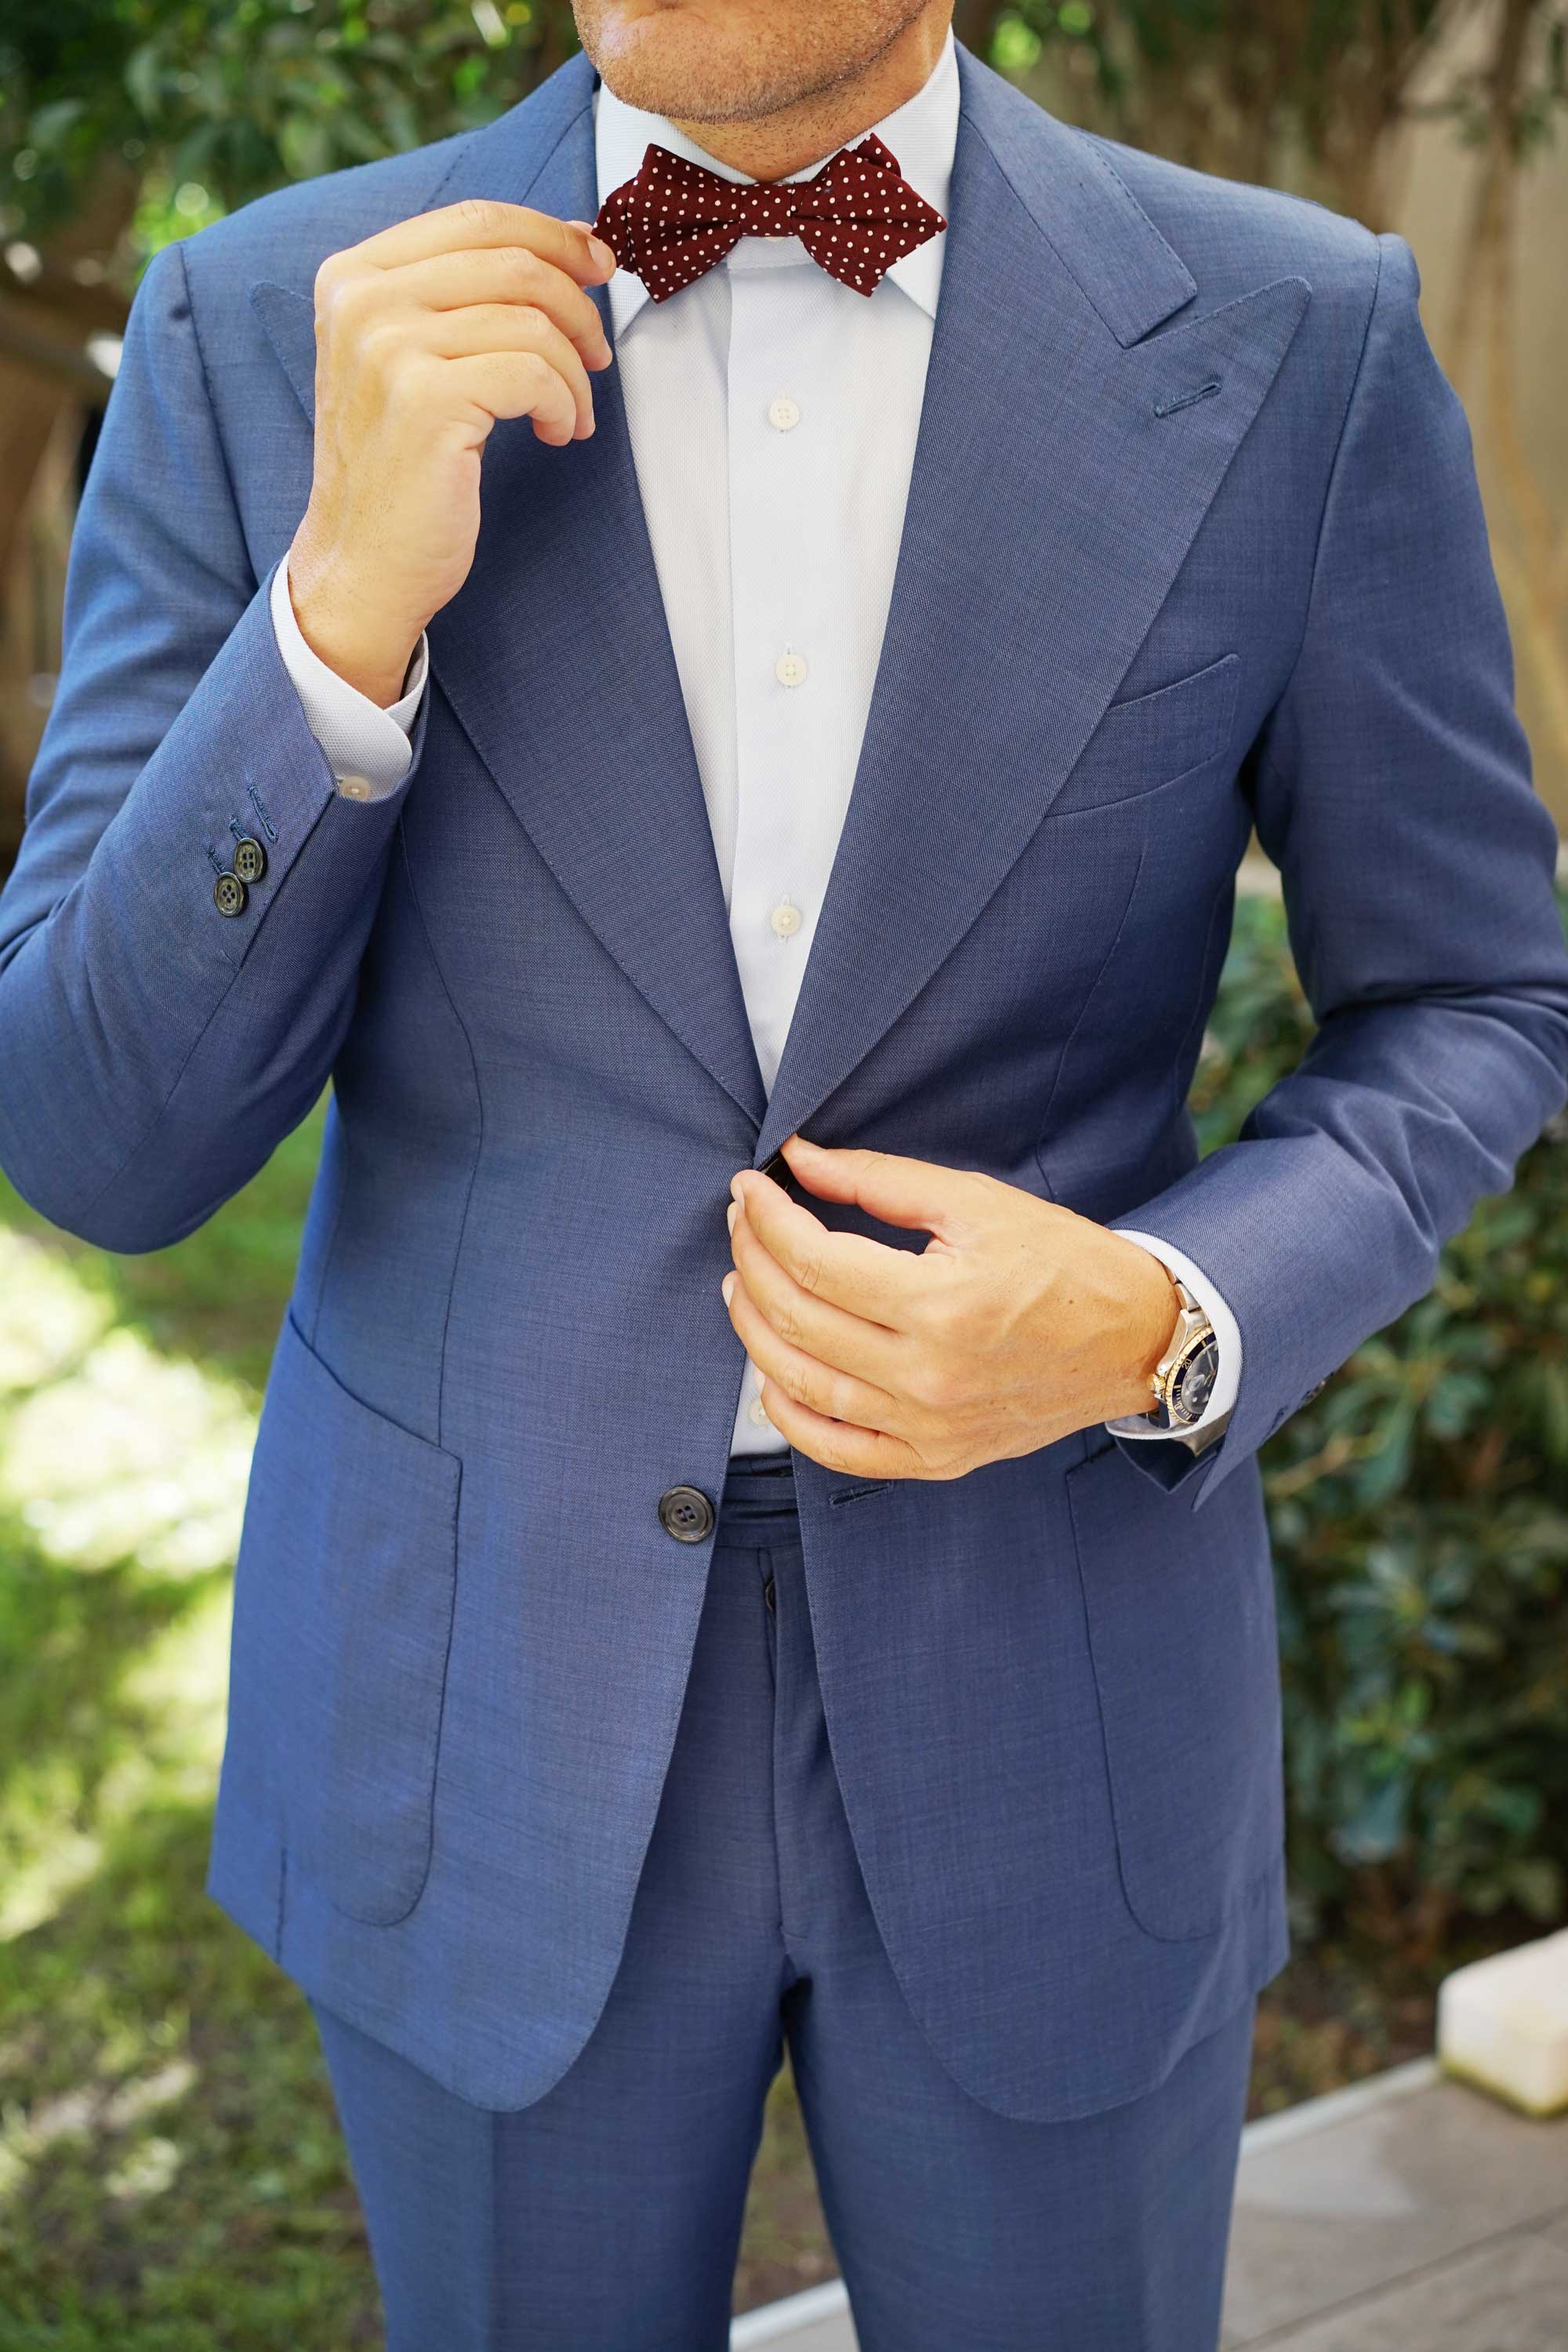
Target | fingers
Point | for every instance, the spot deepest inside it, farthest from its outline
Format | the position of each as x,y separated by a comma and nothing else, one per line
866,1277
522,383
501,274
491,328
922,1193
512,280
827,1335
841,1445
487,221
837,1395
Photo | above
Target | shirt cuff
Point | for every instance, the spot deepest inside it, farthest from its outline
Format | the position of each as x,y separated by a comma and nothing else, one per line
366,743
1228,1379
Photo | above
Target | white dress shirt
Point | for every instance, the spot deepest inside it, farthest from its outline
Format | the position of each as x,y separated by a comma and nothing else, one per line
772,414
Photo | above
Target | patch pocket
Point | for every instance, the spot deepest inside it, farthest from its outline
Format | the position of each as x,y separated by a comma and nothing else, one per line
1154,739
348,1574
1179,1607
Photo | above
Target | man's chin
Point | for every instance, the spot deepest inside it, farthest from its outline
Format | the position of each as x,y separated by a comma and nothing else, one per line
670,60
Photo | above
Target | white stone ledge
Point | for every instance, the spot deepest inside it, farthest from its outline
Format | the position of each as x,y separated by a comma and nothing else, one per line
1502,2024
818,2318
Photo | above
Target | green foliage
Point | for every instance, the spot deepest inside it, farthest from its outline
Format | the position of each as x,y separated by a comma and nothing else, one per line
175,2180
1288,59
172,2177
1420,1518
230,97
1295,93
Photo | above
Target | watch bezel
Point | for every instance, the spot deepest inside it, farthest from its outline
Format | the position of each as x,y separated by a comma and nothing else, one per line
1202,1343
1193,1334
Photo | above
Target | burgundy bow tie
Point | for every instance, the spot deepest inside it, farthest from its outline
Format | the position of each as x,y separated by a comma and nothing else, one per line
856,216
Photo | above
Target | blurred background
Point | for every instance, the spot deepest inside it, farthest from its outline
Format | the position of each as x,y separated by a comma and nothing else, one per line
171,2174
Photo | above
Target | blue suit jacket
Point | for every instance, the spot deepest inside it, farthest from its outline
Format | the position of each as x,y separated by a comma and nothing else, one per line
1193,539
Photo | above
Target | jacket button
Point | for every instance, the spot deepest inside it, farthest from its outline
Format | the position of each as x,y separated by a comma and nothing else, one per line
685,1513
229,893
250,859
779,1169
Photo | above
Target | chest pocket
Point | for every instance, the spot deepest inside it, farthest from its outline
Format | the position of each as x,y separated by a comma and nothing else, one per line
1154,739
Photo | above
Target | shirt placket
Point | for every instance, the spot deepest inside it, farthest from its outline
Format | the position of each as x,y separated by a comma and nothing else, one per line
779,538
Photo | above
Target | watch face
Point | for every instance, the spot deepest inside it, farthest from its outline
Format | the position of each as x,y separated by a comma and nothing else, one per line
1191,1384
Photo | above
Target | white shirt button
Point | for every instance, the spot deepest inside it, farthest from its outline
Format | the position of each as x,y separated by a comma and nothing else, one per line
790,670
757,1411
786,920
354,788
783,413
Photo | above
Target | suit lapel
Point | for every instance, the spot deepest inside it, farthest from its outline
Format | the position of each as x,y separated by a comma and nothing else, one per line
1051,508
555,656
1053,496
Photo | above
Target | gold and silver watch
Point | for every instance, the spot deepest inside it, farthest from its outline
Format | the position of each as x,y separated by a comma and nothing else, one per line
1183,1381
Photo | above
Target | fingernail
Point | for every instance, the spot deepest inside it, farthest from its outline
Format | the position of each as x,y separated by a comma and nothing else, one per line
731,1213
735,1191
727,1286
604,255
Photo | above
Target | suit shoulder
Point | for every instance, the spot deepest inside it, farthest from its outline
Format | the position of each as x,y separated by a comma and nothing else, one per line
1233,234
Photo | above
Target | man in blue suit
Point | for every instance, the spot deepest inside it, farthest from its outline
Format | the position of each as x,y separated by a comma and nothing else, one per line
703,1590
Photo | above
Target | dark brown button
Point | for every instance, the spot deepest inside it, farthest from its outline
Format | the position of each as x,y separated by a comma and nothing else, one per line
685,1513
250,860
229,893
779,1169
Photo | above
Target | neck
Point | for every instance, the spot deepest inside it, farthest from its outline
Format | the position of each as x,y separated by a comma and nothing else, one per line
772,146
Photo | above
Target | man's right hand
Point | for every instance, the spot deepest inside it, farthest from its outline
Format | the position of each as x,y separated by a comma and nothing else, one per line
425,334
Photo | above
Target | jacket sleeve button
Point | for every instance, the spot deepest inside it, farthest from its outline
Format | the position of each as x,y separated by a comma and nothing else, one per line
229,893
250,859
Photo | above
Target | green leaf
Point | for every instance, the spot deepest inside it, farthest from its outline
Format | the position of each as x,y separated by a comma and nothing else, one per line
143,80
1377,1830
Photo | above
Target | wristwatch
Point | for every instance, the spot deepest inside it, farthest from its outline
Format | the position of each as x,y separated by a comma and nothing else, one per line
1183,1381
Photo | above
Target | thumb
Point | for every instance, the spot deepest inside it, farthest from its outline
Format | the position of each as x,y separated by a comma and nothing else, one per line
918,1193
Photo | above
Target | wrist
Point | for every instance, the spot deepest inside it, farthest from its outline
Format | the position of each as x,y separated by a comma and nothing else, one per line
348,630
1152,1311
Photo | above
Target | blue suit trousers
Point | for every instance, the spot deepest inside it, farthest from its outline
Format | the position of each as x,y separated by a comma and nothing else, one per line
605,2216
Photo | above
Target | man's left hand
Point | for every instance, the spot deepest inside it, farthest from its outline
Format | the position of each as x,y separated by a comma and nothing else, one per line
1017,1323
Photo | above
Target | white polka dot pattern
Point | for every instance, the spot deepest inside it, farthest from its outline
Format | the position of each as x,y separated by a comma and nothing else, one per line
857,216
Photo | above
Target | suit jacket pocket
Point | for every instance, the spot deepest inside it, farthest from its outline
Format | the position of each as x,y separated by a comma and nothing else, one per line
1180,1612
1154,739
344,1596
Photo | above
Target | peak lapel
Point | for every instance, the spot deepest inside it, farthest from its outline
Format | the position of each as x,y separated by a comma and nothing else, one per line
1049,510
555,656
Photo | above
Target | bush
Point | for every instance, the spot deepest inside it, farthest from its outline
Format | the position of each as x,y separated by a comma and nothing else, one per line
1420,1516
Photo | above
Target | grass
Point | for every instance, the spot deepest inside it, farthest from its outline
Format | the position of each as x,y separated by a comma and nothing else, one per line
172,2178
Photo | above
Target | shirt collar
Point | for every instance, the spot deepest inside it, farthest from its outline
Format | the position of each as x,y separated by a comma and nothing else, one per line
922,134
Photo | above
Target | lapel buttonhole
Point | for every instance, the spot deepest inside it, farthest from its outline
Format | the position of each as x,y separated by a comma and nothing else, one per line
1185,399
